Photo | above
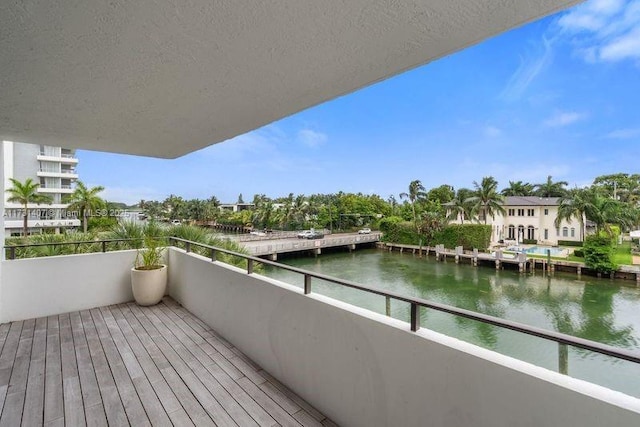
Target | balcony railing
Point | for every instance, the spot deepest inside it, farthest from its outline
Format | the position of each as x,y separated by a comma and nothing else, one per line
563,340
416,304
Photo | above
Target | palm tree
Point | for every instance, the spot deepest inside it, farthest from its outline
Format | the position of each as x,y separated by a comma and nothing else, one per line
24,193
415,194
486,198
518,188
574,204
550,188
85,200
460,207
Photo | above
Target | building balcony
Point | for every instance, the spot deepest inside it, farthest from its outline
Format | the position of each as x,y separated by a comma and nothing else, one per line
228,345
67,174
63,158
63,189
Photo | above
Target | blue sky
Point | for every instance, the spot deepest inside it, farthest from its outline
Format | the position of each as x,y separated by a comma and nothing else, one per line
558,97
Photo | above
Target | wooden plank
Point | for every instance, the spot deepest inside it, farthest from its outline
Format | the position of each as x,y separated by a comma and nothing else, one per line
53,394
286,403
180,418
190,403
113,407
256,411
132,404
179,356
34,399
159,383
14,402
222,386
294,397
7,358
88,381
96,416
72,394
306,419
269,405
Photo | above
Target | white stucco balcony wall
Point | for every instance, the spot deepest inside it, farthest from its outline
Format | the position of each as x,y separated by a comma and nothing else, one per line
364,369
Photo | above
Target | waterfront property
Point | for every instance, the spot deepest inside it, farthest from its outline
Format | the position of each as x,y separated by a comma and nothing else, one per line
164,79
532,219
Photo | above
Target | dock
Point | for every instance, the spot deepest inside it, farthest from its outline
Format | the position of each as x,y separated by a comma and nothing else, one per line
271,248
521,261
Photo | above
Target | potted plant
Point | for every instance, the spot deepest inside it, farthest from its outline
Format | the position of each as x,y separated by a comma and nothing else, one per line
149,274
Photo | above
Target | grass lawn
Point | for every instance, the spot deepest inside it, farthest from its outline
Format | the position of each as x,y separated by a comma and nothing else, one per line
622,254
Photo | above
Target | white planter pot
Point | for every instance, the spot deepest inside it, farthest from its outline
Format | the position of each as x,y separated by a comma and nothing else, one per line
149,286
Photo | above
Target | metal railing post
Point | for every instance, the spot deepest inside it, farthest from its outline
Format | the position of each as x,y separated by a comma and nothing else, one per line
388,305
249,266
12,253
307,284
213,254
187,246
104,246
415,317
563,358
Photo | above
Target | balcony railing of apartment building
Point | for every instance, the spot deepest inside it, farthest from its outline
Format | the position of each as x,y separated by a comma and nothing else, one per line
356,366
563,340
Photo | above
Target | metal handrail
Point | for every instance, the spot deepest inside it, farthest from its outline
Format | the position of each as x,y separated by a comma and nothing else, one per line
103,242
561,339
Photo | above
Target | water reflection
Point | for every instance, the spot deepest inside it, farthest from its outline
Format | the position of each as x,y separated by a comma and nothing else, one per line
601,310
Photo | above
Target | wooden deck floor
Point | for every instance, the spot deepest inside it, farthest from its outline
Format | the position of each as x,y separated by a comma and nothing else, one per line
129,365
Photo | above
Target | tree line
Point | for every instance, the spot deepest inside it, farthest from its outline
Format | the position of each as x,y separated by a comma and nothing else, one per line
610,199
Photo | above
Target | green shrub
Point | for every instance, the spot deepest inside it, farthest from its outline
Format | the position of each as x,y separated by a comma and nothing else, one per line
569,243
579,253
401,232
101,223
529,241
598,251
469,236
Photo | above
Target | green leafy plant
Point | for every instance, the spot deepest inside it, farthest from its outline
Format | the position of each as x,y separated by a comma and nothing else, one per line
598,254
149,257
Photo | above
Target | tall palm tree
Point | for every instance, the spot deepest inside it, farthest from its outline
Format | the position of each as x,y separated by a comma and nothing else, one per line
550,188
486,198
24,193
85,200
518,188
574,205
415,194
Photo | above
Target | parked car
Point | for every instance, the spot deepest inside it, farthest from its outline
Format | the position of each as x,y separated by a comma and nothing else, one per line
314,235
364,231
305,233
258,233
176,222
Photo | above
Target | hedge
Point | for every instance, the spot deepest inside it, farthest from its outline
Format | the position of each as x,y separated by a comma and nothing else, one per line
569,243
469,236
530,241
598,253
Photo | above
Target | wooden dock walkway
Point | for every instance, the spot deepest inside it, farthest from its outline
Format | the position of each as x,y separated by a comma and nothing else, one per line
129,365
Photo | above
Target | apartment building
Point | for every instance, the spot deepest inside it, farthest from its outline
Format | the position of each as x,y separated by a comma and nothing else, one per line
54,168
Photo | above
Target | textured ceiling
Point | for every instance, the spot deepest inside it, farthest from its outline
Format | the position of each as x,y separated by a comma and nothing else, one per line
164,78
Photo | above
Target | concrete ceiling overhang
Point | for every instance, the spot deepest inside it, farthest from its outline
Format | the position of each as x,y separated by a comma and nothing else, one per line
165,78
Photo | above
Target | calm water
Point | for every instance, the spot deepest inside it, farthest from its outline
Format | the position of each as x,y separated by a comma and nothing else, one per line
596,309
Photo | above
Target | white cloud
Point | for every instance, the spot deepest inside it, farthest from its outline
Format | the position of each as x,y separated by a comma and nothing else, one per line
492,131
530,67
311,138
564,118
624,133
623,47
604,30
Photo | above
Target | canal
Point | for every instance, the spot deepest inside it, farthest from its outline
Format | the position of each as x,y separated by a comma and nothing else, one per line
603,310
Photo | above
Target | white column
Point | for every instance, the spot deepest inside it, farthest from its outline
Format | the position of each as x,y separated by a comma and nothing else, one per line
3,176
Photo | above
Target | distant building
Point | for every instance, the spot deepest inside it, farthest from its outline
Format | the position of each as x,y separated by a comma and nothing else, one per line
54,168
236,207
531,218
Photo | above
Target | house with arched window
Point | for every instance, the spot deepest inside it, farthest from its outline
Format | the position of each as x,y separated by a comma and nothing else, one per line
531,219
